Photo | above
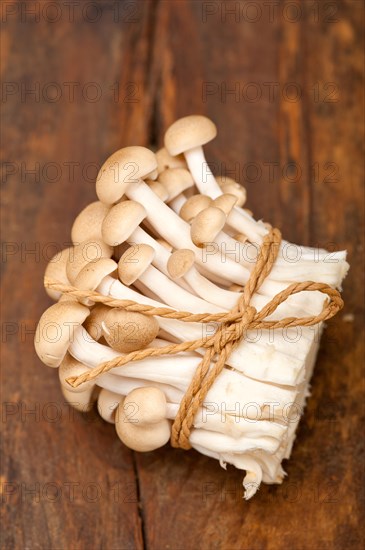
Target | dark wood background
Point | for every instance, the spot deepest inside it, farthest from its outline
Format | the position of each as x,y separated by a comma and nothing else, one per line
67,481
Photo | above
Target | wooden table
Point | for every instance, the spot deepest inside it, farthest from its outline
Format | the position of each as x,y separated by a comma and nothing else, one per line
283,85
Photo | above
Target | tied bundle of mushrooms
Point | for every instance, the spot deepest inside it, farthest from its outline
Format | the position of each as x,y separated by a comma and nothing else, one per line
182,316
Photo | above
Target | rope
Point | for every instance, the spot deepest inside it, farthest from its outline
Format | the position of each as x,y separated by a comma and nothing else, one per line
232,329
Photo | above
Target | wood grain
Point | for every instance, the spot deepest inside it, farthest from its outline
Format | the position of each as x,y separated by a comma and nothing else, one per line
301,162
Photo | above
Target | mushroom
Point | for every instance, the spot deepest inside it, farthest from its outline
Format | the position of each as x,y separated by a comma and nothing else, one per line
229,185
176,181
159,189
83,397
83,253
92,273
123,168
93,322
108,402
88,223
207,418
165,160
225,202
127,331
121,221
274,367
187,135
141,422
55,331
82,401
174,229
56,269
206,226
193,206
136,263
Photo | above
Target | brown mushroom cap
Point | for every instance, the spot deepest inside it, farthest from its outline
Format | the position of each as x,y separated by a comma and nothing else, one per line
122,169
195,204
82,401
180,262
127,331
176,181
55,331
56,269
87,225
225,202
121,221
189,132
93,323
134,262
108,403
229,185
141,421
165,160
206,226
92,274
83,253
71,367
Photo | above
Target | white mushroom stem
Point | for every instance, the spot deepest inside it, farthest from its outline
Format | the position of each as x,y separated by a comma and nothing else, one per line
260,359
293,262
177,232
207,185
230,388
227,299
173,295
238,431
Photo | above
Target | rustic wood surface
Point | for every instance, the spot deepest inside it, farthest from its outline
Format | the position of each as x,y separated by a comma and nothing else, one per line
67,481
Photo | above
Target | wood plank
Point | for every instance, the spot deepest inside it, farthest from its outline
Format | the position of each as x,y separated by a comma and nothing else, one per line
188,500
84,480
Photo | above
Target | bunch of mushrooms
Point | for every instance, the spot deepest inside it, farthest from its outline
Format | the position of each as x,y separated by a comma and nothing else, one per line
165,232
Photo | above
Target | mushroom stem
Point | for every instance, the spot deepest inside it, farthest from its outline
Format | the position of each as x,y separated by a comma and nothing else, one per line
207,185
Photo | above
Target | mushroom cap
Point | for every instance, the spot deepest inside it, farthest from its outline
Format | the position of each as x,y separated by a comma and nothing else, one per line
229,185
151,403
225,202
189,132
55,331
180,262
56,269
159,189
165,160
121,221
82,401
92,274
87,225
206,226
127,331
108,402
141,421
176,181
71,367
195,204
93,324
134,262
145,438
83,253
123,168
